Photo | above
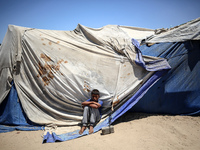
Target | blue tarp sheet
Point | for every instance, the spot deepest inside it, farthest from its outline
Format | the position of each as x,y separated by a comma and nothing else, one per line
11,115
178,92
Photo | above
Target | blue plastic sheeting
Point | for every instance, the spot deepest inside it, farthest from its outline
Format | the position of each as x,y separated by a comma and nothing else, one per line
178,92
11,114
50,138
155,65
4,128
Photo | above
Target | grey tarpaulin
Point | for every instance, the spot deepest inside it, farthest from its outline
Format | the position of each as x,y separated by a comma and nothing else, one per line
54,71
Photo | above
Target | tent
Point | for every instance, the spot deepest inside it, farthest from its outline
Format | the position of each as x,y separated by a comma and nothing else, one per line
54,71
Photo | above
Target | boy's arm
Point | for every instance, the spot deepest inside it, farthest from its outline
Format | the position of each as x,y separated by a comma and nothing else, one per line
95,105
86,103
91,104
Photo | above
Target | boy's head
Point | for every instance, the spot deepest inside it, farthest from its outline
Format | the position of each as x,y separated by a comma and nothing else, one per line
95,94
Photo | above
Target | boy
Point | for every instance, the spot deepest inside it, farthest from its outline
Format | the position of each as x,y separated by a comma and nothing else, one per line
91,114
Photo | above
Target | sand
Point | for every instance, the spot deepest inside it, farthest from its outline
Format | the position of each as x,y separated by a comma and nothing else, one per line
131,131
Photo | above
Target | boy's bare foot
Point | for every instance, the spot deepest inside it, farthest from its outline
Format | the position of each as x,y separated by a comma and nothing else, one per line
91,130
82,130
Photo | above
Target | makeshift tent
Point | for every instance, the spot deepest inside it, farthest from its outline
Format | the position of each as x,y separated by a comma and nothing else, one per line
54,71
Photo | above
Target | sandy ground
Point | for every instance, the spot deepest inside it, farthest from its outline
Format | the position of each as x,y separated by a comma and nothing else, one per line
131,131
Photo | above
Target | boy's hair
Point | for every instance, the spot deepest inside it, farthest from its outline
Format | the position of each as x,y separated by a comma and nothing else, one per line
95,92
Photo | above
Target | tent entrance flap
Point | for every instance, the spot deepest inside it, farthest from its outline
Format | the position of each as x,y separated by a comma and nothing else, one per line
12,116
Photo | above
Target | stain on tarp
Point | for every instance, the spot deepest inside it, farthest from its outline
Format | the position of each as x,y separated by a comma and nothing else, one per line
47,71
86,86
45,57
117,101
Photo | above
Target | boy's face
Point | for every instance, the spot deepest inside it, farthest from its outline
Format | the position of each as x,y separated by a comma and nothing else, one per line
95,97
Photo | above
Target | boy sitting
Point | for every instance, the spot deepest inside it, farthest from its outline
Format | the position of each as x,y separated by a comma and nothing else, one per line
91,113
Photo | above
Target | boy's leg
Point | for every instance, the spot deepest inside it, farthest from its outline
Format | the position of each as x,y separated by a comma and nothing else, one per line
91,129
82,129
94,118
86,113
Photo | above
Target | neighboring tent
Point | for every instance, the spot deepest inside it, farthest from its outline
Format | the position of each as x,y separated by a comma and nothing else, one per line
178,92
54,71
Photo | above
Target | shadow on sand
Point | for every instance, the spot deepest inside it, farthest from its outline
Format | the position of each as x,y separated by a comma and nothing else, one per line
129,116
